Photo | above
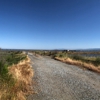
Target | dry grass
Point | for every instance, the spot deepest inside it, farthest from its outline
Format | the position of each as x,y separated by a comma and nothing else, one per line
88,66
22,74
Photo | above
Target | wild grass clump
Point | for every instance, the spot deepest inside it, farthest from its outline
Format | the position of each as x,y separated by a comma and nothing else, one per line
88,66
3,69
77,57
9,85
23,74
61,55
96,62
13,58
6,82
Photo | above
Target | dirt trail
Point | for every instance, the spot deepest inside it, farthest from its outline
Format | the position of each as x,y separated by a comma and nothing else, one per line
59,81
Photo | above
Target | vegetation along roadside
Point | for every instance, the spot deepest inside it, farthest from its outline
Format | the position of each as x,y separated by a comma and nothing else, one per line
15,75
80,58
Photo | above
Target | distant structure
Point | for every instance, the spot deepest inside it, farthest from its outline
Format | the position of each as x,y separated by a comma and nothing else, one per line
66,51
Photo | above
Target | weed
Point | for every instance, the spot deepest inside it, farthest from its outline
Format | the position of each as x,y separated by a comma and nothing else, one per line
7,81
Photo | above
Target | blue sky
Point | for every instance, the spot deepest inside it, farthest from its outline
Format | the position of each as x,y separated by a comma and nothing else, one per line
49,24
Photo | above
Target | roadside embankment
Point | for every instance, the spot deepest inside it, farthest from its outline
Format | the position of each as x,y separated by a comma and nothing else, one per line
19,83
88,66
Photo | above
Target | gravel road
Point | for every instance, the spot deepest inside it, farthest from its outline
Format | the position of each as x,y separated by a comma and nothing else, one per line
59,81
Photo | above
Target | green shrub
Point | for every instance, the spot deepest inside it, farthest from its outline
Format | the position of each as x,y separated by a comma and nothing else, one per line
14,58
96,62
77,57
3,69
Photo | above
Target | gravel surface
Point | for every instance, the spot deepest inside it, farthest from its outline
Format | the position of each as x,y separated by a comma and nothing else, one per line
59,81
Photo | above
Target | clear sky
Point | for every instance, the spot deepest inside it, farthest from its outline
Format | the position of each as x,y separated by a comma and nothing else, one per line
50,24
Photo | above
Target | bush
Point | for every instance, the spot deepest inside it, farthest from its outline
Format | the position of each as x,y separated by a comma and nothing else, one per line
14,59
3,69
77,57
96,62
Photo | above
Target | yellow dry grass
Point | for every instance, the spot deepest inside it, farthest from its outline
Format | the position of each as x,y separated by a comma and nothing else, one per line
22,74
79,63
